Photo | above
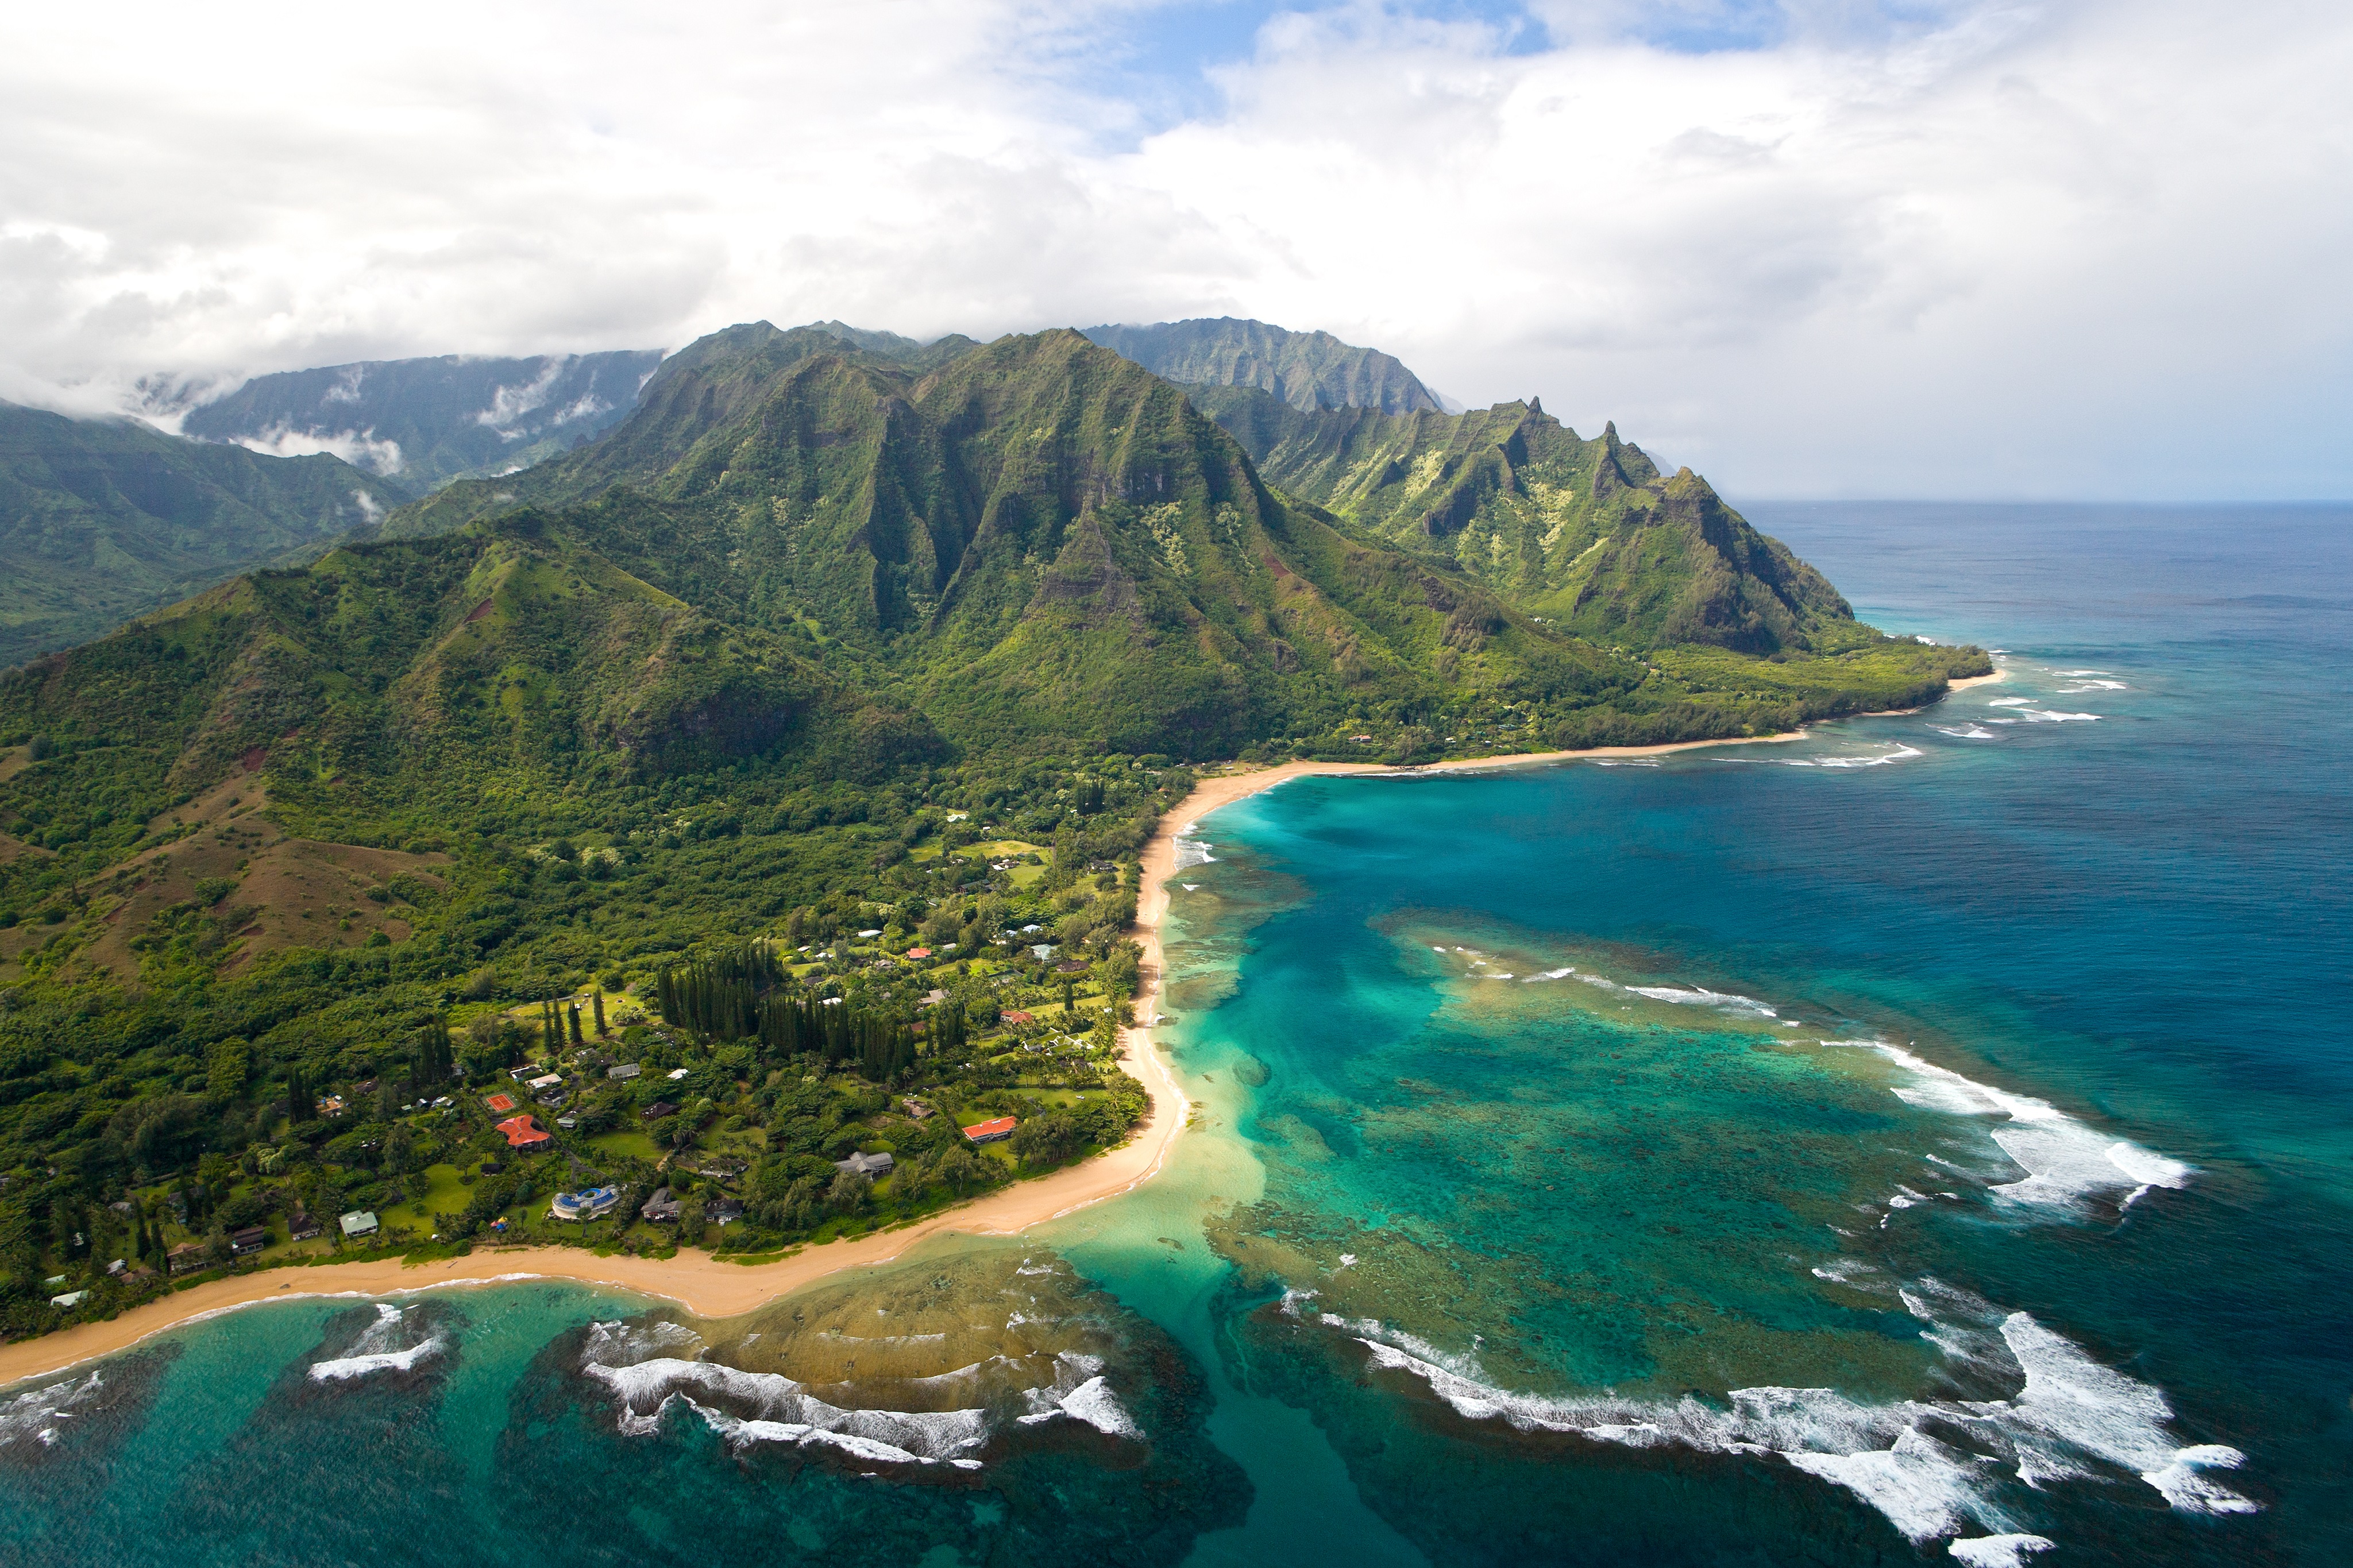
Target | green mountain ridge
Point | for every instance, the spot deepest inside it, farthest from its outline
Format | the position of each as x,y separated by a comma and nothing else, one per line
103,520
1307,371
1586,533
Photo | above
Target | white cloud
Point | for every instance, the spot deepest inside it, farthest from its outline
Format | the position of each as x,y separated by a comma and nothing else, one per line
1980,248
360,449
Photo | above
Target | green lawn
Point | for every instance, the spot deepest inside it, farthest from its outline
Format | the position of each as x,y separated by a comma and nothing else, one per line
443,1196
628,1143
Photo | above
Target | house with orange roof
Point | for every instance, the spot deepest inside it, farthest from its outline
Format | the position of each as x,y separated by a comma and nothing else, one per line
523,1132
990,1131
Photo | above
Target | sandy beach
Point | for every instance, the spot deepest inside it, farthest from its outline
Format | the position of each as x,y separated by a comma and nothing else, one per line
712,1288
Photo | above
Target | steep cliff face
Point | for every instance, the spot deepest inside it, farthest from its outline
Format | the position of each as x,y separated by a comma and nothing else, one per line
1307,371
1586,533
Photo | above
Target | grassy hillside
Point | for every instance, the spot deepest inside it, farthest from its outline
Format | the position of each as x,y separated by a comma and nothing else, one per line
103,520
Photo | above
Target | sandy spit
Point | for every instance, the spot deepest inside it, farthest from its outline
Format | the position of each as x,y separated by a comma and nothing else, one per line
708,1287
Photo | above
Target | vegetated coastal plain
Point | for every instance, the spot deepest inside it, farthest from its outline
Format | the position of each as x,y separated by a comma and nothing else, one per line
713,1287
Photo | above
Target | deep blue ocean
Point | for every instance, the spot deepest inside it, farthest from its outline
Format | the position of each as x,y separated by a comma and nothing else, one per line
1928,1140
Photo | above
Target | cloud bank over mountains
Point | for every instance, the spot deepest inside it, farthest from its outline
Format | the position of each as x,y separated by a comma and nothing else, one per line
1964,249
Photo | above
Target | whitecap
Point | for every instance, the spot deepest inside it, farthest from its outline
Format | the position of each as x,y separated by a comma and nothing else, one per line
1699,996
363,1365
1561,973
2011,702
1094,1403
2045,716
2066,1161
1999,1551
1898,754
2100,1411
1972,732
782,1411
370,1352
1080,1393
36,1413
2070,1411
1192,852
1852,1272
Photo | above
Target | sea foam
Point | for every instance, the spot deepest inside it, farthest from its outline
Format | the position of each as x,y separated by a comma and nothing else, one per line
36,1413
749,1407
1932,1468
1699,996
372,1352
1899,753
2066,1161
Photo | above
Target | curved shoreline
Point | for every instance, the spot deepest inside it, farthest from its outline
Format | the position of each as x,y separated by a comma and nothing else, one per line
712,1287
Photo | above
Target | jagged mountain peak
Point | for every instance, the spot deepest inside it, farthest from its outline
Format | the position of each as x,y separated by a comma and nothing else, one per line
1309,371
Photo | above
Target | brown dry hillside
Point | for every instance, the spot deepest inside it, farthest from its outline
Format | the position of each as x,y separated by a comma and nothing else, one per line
288,892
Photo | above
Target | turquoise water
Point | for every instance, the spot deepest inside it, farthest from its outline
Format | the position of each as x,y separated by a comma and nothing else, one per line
1921,1142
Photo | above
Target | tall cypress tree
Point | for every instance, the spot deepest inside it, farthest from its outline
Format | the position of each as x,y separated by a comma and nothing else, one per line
596,1001
573,1017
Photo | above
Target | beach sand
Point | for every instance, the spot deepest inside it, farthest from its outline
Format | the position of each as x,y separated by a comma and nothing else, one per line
712,1288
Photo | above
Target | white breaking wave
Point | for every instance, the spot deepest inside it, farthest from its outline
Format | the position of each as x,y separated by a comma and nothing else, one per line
1896,755
366,1359
2044,716
1561,973
785,1411
1999,1551
2070,1411
2095,686
1972,732
2065,1160
769,1407
1729,1001
1192,852
36,1413
1080,1393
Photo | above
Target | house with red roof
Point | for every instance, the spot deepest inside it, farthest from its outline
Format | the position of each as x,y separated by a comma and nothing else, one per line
523,1132
990,1131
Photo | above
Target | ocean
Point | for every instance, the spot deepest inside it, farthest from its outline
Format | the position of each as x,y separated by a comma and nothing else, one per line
1923,1141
